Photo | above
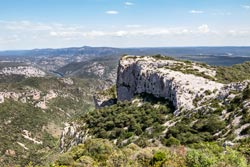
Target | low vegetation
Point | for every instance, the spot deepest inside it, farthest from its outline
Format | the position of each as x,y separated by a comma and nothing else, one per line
101,152
126,122
43,125
233,73
15,117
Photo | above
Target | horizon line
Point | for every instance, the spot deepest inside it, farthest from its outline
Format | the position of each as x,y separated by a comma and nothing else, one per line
142,47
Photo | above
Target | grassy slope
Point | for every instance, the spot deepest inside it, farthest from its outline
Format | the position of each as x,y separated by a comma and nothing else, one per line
16,117
238,72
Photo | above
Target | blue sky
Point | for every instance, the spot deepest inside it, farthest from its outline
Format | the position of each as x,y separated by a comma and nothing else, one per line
27,24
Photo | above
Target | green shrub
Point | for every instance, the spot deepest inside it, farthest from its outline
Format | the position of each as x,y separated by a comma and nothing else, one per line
65,159
87,161
234,158
161,57
211,124
98,149
158,158
175,160
246,93
196,158
171,141
244,147
208,92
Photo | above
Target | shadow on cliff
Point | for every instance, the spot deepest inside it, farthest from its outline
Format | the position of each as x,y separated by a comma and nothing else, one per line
146,97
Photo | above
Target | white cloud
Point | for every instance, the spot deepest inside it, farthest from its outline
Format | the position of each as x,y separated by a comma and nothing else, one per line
245,6
34,26
55,30
133,26
120,33
204,28
10,39
127,33
27,34
78,34
112,12
239,33
221,13
196,12
24,25
129,3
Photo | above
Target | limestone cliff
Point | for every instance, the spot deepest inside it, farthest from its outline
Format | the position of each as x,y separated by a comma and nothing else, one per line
177,81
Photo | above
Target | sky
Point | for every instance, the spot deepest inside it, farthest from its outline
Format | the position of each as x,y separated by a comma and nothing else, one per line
29,24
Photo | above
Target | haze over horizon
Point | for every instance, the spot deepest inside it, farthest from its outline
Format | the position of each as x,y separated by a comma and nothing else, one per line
30,24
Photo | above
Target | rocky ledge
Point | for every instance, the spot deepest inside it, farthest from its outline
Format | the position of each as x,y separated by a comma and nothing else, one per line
185,84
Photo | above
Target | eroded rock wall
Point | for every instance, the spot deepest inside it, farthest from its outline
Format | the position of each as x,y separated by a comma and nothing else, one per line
137,75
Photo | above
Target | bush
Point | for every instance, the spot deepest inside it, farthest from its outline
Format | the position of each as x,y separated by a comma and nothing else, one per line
98,149
174,161
158,158
246,93
172,142
87,161
212,124
208,92
234,158
65,159
196,158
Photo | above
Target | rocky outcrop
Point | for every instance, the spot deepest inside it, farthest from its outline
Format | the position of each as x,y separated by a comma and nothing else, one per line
106,97
160,78
27,71
225,92
72,136
1,99
67,81
101,101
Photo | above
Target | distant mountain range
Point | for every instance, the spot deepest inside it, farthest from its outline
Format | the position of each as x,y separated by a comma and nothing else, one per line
175,51
210,55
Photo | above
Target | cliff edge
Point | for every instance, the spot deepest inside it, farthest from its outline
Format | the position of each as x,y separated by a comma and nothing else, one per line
186,84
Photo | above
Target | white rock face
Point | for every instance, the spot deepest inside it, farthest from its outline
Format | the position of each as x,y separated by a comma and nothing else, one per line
137,75
27,135
27,71
67,81
97,69
51,95
72,136
1,99
9,95
42,105
235,86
